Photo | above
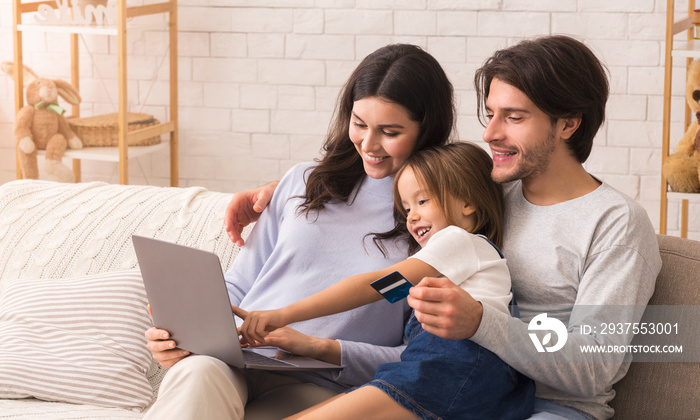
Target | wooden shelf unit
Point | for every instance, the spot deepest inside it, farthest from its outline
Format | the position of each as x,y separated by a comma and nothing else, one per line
119,154
689,50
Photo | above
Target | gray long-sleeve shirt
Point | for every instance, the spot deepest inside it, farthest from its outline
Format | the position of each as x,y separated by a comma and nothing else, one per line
587,261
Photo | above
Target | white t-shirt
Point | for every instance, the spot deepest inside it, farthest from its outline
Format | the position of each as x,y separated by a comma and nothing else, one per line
471,262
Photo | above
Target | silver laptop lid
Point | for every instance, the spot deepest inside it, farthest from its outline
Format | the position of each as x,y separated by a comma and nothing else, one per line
188,298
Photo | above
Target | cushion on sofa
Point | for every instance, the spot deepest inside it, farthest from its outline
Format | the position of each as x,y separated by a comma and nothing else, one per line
656,390
78,340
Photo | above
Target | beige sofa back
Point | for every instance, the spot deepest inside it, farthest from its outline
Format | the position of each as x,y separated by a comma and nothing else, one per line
652,390
51,230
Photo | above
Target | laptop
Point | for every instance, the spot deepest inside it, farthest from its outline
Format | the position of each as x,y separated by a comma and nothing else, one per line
188,297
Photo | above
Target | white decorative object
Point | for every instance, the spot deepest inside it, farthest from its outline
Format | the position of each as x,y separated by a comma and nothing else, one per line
69,12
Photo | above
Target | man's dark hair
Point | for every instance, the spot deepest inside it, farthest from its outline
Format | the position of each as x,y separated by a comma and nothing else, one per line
560,75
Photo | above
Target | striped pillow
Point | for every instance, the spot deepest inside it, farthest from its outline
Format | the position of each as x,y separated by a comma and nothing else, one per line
78,340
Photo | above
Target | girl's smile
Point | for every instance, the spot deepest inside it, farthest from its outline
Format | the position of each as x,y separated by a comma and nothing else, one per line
424,214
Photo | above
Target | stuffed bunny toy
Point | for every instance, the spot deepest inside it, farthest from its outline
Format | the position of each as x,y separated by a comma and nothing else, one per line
40,125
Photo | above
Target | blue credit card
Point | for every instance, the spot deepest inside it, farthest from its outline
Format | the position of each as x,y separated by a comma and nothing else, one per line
393,287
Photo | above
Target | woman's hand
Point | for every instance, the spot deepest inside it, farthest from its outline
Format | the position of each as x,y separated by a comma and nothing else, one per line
164,350
445,309
245,208
257,324
293,341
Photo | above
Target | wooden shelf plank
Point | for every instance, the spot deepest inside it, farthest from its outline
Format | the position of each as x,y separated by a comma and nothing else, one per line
691,197
89,29
689,49
111,154
682,25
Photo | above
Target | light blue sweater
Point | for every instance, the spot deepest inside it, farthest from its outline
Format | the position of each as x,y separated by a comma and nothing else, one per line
289,257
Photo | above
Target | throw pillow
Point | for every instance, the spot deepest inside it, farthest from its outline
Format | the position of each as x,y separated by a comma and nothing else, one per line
78,340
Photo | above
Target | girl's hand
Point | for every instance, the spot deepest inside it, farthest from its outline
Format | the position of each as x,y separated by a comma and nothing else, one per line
245,208
257,324
293,341
445,309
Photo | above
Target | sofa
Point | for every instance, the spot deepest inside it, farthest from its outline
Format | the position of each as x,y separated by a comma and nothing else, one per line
667,390
72,309
55,234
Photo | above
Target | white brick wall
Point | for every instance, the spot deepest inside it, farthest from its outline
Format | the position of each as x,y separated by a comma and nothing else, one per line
259,79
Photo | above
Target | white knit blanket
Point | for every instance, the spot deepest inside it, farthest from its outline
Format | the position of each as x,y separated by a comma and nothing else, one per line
52,230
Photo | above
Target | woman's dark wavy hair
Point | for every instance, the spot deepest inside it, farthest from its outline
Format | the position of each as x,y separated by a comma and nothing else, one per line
400,73
560,75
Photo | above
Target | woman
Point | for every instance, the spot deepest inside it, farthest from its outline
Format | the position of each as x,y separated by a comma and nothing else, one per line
396,102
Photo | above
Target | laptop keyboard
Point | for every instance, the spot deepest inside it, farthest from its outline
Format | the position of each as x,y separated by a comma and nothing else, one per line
258,359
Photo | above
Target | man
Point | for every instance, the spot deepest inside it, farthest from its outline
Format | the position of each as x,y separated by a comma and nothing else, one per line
576,248
578,251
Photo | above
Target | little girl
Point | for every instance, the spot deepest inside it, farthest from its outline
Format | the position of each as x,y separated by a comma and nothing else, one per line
453,212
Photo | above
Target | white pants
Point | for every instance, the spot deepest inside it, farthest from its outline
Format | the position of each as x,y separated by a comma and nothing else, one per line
202,387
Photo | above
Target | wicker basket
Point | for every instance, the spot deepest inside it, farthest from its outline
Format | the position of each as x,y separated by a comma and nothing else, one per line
102,130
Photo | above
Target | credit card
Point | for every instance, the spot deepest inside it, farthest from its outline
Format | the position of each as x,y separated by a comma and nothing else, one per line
393,287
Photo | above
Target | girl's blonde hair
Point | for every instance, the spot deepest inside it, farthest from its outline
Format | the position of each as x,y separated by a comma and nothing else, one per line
461,170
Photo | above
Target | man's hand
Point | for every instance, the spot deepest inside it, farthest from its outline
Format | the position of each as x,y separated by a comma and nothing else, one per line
445,309
245,208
